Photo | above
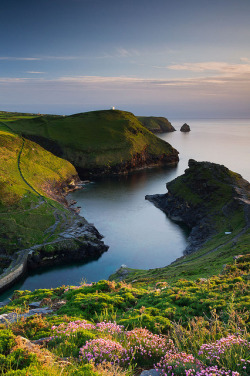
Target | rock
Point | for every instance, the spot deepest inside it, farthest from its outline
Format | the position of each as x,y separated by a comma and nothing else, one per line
34,305
151,372
11,317
185,128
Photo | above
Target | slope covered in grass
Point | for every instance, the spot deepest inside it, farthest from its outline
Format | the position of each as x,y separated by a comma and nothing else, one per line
29,177
99,141
156,124
185,327
36,229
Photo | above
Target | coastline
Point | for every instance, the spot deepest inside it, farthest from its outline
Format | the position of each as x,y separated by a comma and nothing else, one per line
80,241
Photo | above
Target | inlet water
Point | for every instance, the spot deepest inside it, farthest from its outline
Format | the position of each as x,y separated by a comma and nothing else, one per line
140,235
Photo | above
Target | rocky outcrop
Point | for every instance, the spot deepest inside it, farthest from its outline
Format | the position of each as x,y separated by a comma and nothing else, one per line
205,194
185,128
80,241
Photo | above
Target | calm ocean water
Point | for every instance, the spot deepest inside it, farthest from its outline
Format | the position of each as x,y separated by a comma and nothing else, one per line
139,235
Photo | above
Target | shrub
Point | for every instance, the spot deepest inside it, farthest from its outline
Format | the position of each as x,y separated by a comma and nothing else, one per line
6,341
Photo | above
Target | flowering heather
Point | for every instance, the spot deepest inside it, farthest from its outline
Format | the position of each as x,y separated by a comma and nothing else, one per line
109,327
148,346
103,350
214,371
231,352
174,363
73,326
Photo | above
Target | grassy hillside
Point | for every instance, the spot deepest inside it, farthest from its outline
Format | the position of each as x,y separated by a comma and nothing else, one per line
102,329
156,124
99,141
30,177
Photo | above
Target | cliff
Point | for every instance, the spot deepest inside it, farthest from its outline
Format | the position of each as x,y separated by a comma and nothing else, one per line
156,124
99,142
209,198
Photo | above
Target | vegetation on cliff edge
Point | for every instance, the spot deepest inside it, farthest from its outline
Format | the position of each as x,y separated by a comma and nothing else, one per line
98,141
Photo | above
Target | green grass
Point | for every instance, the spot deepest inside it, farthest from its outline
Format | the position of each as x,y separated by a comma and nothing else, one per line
27,213
156,124
188,313
98,139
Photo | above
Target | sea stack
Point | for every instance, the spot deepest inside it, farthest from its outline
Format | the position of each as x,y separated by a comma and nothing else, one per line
185,128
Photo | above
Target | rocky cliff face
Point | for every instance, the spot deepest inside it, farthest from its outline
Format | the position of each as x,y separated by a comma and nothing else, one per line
206,198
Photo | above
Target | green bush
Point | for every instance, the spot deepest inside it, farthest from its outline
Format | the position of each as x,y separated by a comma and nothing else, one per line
6,341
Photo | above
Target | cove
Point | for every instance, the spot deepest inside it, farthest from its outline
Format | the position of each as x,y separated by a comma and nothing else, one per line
140,235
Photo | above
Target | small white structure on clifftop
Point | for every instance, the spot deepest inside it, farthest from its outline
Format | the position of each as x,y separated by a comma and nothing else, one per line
113,108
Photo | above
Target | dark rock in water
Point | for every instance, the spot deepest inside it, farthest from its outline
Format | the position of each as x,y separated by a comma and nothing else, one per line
185,128
205,195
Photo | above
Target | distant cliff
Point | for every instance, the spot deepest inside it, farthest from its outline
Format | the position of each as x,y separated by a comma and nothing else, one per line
156,124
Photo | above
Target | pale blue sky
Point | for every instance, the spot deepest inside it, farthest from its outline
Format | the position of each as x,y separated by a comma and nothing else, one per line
182,58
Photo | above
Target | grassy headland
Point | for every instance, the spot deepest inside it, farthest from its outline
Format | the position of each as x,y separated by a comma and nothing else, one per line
156,124
98,142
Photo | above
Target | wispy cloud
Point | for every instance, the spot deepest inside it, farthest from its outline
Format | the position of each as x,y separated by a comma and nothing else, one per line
213,66
123,52
14,58
126,80
14,79
34,72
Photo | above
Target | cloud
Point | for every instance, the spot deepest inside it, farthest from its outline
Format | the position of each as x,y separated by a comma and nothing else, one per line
245,59
213,66
122,52
14,58
34,72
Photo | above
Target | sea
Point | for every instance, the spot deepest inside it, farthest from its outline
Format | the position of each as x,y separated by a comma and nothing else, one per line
139,235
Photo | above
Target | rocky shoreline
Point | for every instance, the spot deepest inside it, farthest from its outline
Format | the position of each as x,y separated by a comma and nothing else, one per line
203,182
79,241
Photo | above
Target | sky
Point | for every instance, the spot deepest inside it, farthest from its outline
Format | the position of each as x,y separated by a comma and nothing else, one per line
178,58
